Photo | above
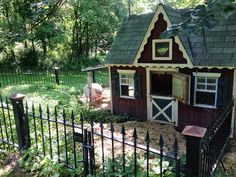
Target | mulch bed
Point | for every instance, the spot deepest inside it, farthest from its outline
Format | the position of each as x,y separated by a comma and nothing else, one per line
155,130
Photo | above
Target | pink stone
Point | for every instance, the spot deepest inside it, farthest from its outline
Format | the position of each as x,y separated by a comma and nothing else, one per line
194,131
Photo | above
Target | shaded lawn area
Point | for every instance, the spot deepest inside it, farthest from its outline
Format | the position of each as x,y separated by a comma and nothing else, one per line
44,91
60,96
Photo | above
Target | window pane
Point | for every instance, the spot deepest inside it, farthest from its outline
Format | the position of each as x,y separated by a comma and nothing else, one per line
131,91
131,81
211,80
200,86
201,79
211,87
127,90
130,76
205,98
123,76
123,81
162,49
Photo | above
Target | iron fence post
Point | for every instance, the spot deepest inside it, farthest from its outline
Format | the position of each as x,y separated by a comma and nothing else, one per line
21,121
85,153
56,70
193,134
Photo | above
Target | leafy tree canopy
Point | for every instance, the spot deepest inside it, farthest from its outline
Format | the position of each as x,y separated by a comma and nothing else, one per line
202,16
71,32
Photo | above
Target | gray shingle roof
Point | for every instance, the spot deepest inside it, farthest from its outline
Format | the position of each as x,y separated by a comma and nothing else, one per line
218,48
129,39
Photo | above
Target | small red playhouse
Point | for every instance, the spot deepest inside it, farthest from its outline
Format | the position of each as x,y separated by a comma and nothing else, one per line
186,79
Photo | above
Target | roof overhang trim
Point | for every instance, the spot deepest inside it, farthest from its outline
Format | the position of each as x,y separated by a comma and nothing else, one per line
148,65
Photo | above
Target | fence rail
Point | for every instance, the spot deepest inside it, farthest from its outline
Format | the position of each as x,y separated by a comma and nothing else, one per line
8,78
215,141
71,78
8,135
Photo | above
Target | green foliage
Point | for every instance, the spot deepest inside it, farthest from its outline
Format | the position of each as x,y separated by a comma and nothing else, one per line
202,16
3,156
63,32
27,57
44,166
141,167
104,116
184,3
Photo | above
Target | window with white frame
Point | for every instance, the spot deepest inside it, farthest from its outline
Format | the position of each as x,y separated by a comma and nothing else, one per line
205,89
162,49
126,83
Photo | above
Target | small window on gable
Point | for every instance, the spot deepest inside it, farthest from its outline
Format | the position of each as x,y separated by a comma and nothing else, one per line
162,49
127,83
205,89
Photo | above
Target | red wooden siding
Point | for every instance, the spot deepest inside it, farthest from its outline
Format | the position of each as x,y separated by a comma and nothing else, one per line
134,107
146,55
191,115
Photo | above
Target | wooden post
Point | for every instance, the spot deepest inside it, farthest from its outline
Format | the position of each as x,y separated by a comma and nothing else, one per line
90,81
21,121
94,78
194,134
56,70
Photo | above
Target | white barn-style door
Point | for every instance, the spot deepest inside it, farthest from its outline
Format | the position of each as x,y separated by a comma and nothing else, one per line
163,109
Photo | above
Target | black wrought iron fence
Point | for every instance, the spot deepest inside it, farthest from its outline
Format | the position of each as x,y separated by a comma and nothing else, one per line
12,77
8,134
58,76
98,149
215,141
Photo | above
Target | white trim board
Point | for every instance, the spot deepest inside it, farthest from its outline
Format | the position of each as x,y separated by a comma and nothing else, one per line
234,107
110,85
203,74
126,71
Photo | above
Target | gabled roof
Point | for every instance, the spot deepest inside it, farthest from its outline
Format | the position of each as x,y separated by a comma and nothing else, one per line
128,39
216,47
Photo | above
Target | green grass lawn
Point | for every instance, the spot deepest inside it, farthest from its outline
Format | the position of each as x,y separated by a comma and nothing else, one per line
63,96
60,96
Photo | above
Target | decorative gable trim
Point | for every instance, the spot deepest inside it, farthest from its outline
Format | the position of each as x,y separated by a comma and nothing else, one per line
160,9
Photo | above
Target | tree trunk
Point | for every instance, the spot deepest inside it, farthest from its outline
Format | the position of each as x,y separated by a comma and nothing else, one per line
87,41
44,44
32,40
6,8
13,56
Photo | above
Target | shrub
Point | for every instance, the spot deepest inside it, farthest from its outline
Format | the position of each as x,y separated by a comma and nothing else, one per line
104,116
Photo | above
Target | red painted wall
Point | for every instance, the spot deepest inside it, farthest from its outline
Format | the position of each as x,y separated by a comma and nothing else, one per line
146,55
134,107
191,115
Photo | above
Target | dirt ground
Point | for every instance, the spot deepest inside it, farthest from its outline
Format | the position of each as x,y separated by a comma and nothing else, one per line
229,159
11,168
155,130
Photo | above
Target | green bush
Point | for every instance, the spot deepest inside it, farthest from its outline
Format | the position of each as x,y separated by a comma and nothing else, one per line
27,58
40,166
104,116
